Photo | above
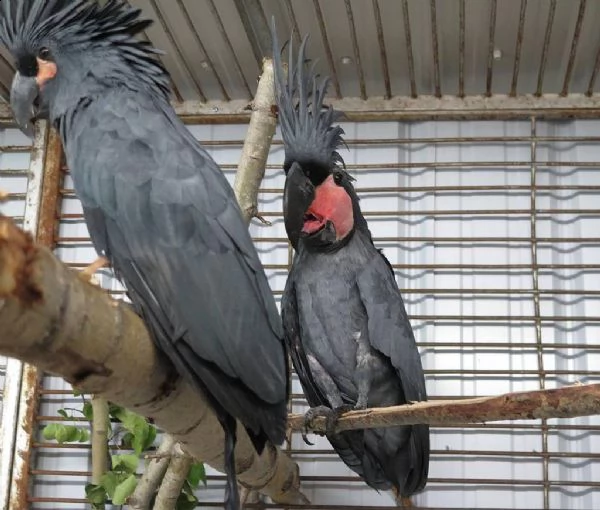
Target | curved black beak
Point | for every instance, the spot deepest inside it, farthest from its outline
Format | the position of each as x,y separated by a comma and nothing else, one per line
298,194
23,94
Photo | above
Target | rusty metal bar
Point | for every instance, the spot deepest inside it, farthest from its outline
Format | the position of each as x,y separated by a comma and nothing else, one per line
382,51
163,23
536,307
41,169
574,43
231,51
518,46
356,50
436,50
328,53
209,62
544,60
409,50
490,62
461,50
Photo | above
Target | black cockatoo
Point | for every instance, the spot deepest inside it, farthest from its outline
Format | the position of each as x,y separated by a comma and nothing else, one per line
350,339
156,204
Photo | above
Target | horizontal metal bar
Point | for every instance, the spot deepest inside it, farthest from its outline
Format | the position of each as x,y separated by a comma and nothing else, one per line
401,108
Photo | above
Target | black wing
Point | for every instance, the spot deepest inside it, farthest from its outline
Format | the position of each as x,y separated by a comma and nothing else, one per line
172,229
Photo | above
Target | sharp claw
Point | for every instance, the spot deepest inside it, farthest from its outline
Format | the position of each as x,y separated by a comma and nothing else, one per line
305,439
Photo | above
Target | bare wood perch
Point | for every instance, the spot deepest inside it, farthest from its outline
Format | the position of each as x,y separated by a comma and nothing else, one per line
174,478
566,402
251,168
52,319
153,474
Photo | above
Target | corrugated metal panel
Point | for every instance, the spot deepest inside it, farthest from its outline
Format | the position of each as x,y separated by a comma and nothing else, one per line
210,56
451,204
15,160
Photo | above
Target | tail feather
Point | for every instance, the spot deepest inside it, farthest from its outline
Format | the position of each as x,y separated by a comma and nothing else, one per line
232,497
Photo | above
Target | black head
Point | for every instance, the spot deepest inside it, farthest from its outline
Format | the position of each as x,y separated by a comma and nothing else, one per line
67,50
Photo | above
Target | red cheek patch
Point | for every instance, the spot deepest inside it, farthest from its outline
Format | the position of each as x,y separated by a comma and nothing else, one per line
331,203
46,71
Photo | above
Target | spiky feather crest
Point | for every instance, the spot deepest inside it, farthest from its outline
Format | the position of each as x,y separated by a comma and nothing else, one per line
307,128
80,25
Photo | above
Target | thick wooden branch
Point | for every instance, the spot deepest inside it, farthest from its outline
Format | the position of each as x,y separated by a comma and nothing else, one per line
566,402
263,121
52,319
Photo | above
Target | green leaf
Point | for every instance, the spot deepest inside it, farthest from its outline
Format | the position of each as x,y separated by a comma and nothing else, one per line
67,433
124,490
186,502
126,440
77,393
49,431
128,462
114,410
84,436
95,494
63,413
109,482
88,411
196,475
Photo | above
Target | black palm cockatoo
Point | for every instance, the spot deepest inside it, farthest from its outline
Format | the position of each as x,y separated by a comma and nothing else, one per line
350,339
156,204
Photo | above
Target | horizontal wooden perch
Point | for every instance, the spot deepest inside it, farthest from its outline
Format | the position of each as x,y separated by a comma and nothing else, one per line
51,318
566,402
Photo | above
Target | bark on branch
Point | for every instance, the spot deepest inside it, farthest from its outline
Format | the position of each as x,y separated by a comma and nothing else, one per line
251,168
153,474
52,319
565,402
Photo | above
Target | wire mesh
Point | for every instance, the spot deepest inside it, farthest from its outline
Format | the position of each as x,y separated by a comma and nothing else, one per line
492,228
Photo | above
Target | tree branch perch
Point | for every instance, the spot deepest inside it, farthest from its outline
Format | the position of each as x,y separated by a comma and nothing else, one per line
565,402
52,319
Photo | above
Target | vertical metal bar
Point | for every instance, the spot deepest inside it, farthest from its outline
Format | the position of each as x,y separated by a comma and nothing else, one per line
382,52
436,50
518,47
293,20
323,30
257,29
461,51
490,63
192,29
574,43
549,24
536,305
590,89
409,50
178,50
47,161
223,32
356,50
21,447
10,409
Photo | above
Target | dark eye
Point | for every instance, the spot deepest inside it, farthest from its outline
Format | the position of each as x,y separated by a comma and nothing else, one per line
337,178
44,53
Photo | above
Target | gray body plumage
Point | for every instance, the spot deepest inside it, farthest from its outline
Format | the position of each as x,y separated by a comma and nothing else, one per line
156,205
344,319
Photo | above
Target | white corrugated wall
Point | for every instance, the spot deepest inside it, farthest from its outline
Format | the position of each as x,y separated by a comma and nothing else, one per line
459,289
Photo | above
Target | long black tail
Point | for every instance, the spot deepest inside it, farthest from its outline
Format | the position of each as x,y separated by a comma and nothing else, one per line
232,497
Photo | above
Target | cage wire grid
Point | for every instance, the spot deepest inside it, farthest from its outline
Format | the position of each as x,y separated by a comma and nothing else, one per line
492,229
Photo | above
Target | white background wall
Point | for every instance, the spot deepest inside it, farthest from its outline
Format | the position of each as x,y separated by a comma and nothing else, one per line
481,294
